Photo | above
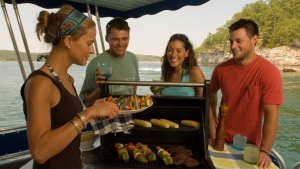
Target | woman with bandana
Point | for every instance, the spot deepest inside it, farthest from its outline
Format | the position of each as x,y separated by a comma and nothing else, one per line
53,110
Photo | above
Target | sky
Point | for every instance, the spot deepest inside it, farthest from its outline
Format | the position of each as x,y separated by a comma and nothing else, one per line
149,34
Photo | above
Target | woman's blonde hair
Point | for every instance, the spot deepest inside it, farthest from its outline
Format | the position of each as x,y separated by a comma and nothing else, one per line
48,24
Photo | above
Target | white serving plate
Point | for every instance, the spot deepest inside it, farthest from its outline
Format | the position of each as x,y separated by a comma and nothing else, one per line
135,111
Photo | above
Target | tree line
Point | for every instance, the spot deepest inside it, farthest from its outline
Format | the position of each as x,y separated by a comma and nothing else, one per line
278,22
8,55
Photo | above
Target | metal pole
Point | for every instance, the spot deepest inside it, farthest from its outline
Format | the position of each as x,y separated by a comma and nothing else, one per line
13,39
23,34
279,158
99,28
153,83
90,16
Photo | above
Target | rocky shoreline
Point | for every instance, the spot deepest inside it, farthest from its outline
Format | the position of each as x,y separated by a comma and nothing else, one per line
284,58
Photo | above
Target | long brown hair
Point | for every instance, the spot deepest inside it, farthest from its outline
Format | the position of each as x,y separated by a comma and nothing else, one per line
188,63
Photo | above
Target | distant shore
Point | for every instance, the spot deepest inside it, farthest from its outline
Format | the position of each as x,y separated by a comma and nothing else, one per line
149,61
88,61
281,68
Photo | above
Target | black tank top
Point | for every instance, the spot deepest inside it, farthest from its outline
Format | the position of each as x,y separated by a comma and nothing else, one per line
62,113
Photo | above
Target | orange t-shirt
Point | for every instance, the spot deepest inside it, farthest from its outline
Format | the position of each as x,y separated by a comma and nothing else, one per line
245,89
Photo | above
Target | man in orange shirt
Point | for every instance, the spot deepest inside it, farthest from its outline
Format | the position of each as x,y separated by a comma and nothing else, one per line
252,88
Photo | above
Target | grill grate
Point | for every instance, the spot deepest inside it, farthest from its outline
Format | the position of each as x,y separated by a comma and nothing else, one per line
110,158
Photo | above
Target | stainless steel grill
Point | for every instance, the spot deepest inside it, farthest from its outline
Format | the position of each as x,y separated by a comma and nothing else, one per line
171,108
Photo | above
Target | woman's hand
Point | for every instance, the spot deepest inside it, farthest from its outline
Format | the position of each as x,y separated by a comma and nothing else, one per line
155,90
104,109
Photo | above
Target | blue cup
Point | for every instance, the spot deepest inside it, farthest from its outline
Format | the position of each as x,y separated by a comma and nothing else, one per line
239,141
105,68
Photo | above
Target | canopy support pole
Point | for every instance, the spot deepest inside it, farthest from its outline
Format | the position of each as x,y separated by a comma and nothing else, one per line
99,28
90,16
23,34
13,39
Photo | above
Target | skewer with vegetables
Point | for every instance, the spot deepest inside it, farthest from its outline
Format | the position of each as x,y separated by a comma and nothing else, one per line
136,153
164,155
122,152
151,156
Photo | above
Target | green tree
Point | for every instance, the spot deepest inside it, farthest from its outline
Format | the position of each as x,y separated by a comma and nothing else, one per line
278,21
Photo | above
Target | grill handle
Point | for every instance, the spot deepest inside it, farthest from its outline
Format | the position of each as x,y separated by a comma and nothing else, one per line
151,83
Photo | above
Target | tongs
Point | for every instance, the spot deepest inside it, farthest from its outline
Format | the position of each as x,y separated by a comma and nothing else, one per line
122,102
119,100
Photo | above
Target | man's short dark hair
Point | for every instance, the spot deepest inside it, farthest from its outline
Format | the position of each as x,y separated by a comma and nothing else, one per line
117,23
249,25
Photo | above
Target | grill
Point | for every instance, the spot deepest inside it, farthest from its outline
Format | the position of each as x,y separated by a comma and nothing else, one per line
110,160
171,108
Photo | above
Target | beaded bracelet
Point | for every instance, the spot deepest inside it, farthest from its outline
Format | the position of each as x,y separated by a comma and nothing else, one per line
264,152
74,122
82,118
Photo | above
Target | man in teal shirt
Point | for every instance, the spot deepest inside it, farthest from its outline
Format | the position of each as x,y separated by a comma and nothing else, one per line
124,64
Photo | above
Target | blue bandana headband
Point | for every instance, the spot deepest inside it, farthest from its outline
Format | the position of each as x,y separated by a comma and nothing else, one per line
70,23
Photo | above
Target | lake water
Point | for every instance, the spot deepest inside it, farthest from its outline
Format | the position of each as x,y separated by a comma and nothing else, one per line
287,141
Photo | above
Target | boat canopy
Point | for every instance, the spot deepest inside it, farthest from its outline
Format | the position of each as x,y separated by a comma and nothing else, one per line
117,8
103,8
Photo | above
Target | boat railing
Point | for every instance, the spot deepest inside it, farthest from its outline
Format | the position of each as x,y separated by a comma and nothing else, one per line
15,155
279,159
14,128
296,166
13,143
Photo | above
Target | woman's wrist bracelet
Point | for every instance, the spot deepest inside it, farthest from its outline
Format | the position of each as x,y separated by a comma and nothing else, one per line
74,122
82,118
264,152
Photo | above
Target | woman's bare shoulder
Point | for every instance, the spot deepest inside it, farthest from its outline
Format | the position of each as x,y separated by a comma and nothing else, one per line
196,70
196,74
39,80
39,84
